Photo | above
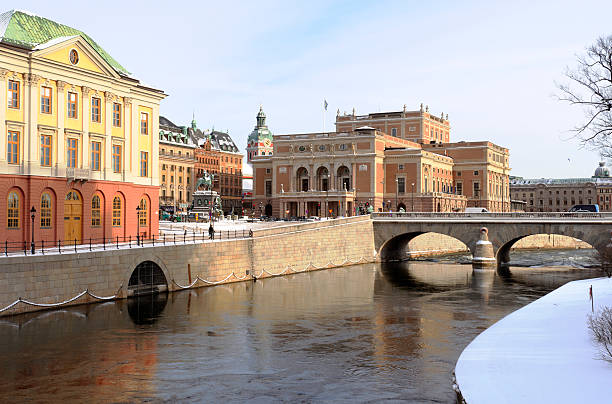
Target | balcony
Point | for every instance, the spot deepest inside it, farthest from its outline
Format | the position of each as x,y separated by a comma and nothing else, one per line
331,194
78,174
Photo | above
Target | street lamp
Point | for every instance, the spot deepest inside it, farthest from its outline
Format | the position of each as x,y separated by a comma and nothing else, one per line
389,206
33,213
138,225
413,196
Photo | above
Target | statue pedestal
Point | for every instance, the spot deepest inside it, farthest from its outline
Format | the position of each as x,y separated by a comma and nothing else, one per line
204,201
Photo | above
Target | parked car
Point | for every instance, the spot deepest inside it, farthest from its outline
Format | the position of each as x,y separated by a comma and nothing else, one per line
584,208
476,210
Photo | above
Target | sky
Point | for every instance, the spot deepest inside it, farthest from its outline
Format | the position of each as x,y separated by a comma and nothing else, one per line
491,66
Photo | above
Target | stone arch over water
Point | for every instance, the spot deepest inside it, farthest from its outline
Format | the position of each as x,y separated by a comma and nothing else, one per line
399,248
503,253
147,279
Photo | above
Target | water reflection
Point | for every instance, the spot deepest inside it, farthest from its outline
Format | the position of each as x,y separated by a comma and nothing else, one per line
145,309
361,333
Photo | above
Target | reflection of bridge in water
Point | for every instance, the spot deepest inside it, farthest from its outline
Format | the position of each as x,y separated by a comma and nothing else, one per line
393,231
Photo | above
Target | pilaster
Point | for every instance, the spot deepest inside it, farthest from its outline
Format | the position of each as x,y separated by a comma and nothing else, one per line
134,134
58,142
31,129
3,107
108,134
126,164
85,110
154,160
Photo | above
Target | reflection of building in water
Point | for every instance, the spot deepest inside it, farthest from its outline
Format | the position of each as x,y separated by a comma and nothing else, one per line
69,354
428,321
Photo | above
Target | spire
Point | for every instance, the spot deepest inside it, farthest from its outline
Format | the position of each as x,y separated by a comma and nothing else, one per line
261,118
193,122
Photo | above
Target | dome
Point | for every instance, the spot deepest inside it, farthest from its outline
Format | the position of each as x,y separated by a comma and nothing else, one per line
602,170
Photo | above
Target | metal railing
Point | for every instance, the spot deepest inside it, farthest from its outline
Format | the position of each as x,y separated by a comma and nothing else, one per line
46,247
493,215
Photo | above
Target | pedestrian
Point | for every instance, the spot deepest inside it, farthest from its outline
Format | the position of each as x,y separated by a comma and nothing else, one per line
211,232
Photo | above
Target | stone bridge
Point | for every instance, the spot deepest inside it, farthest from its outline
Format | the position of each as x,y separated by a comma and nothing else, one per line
393,231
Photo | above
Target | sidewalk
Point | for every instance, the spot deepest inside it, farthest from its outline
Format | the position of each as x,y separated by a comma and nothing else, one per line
542,353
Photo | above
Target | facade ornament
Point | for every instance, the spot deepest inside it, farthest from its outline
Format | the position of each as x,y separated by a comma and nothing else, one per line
421,107
60,85
3,73
311,148
353,111
442,116
127,101
404,108
338,112
85,91
447,117
33,79
109,96
426,108
282,189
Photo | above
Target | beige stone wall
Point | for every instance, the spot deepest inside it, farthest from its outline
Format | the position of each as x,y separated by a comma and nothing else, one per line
56,278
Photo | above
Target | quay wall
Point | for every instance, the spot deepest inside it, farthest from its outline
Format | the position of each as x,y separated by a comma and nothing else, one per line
56,278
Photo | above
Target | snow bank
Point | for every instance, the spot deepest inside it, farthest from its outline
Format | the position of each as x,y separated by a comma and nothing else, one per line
542,353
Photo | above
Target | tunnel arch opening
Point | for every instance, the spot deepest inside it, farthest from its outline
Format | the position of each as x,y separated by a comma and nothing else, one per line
412,245
147,279
553,241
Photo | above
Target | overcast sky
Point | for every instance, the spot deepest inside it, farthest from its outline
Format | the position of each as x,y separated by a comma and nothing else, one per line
491,67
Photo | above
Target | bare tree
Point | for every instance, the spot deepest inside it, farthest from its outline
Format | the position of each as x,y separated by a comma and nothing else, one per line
604,259
590,86
600,325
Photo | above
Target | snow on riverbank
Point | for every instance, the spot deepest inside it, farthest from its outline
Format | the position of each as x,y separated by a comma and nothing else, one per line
542,353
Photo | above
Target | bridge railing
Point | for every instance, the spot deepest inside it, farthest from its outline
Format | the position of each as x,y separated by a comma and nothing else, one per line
492,215
46,247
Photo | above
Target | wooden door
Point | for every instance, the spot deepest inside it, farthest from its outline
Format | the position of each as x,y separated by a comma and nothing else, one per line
73,217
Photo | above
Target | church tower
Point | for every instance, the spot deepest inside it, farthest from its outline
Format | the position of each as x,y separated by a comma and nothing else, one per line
259,143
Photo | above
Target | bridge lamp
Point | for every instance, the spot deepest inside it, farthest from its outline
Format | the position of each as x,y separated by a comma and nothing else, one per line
138,225
413,196
33,214
396,191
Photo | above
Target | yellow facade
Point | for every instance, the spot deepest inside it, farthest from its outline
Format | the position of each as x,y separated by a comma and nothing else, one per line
62,55
90,79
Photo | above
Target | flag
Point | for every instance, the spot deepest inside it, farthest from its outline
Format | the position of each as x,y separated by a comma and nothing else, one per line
325,104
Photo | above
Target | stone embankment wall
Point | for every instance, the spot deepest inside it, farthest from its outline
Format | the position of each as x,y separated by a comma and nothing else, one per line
432,244
286,249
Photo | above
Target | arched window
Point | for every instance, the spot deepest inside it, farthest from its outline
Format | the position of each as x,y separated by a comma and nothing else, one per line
117,211
45,210
143,213
13,210
95,211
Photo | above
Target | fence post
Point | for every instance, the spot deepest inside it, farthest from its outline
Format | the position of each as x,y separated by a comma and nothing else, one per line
6,247
104,243
175,238
90,244
25,251
59,246
42,246
184,235
153,238
130,241
75,250
164,238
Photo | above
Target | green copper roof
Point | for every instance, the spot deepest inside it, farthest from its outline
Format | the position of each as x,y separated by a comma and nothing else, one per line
26,30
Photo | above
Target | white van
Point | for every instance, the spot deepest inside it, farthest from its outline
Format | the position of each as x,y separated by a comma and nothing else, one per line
476,210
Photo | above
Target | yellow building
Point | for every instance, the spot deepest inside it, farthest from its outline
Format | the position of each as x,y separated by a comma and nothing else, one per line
79,141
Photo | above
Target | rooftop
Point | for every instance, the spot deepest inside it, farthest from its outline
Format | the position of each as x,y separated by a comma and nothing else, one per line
25,30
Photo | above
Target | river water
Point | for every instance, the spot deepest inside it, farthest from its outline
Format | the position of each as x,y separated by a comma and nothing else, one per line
355,334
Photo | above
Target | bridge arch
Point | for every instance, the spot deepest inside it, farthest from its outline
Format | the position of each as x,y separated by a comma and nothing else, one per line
503,252
135,261
147,279
402,246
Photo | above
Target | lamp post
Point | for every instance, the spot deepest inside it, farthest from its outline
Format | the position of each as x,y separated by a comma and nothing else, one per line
413,196
389,206
138,225
33,213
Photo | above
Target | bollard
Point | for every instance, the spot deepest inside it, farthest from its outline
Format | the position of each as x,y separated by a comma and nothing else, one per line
484,256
